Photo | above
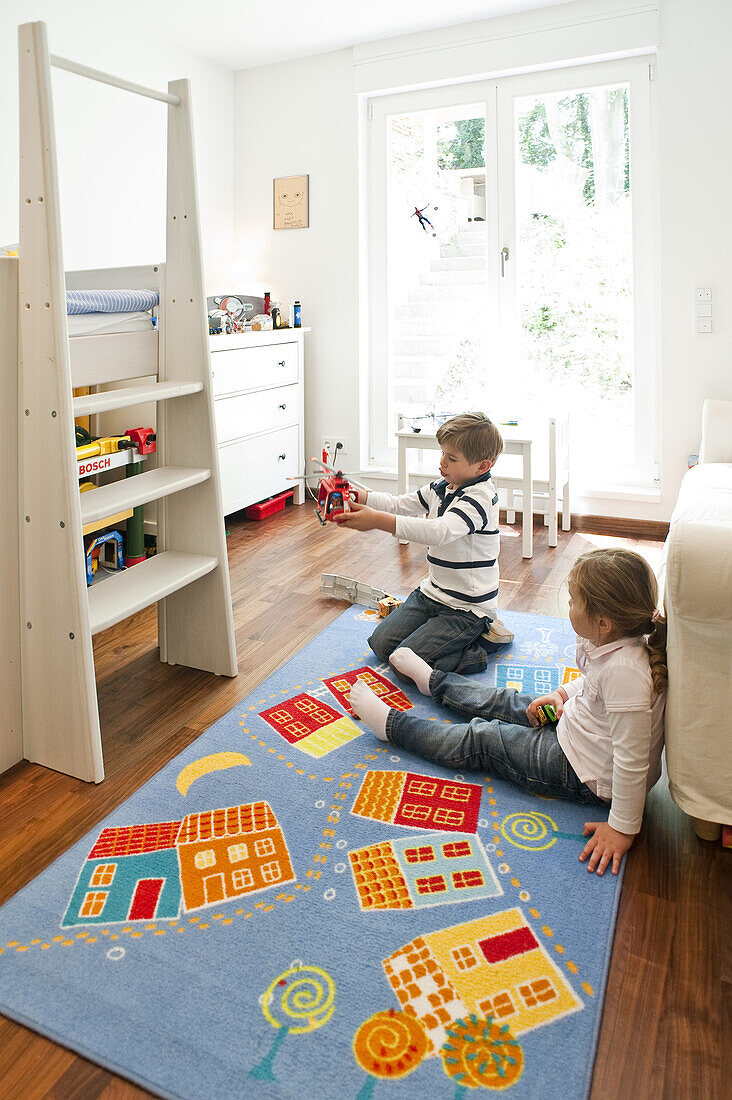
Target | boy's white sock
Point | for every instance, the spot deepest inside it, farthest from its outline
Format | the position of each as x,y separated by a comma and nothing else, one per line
410,664
369,708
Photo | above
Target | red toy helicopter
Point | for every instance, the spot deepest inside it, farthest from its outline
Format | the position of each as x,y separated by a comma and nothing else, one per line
335,492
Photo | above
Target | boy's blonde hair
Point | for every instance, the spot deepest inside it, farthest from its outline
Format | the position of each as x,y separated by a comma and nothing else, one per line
473,435
620,585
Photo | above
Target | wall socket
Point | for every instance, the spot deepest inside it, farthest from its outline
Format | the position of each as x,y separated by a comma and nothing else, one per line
330,441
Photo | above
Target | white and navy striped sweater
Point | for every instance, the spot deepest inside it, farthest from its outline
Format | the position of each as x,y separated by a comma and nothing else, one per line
461,532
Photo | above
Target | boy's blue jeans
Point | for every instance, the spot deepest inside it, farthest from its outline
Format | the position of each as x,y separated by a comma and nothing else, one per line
498,739
445,637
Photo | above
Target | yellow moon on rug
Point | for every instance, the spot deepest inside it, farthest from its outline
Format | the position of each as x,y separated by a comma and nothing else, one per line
217,762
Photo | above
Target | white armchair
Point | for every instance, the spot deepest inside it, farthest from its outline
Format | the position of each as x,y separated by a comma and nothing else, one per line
698,604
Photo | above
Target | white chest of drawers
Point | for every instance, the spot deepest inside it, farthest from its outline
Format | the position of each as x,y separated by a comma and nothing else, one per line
258,403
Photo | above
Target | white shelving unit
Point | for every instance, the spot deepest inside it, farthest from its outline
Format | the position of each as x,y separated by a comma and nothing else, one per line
48,667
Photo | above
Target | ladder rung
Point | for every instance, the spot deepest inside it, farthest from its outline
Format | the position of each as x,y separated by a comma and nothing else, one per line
115,598
108,500
132,395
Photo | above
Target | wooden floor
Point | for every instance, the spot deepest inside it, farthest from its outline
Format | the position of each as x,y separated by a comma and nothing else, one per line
667,1025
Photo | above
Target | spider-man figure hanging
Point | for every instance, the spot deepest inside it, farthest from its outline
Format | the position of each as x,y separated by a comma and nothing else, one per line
424,221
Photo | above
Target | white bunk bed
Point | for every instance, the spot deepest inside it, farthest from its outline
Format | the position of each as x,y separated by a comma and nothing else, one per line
47,615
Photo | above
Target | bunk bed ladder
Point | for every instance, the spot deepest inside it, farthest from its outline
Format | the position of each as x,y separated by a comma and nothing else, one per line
195,627
189,577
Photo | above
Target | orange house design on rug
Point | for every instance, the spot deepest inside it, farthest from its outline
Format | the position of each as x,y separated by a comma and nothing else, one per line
493,966
226,853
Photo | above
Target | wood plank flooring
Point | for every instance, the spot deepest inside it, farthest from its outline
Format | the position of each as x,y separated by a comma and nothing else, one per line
668,1011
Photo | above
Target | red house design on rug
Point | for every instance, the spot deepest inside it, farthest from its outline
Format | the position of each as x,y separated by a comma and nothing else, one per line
419,801
389,693
314,727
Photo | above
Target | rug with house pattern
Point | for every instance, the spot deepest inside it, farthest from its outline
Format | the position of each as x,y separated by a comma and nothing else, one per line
293,908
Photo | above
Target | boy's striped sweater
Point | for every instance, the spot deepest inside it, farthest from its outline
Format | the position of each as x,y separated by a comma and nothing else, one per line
460,528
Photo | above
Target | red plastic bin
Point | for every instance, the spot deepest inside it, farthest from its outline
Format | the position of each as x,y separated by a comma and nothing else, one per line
268,507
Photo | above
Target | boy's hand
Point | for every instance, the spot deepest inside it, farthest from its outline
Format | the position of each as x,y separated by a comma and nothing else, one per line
606,844
363,518
556,700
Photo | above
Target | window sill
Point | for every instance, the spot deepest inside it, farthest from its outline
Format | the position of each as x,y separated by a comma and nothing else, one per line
650,495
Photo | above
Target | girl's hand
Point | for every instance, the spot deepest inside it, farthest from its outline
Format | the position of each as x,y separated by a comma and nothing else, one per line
606,844
362,518
556,700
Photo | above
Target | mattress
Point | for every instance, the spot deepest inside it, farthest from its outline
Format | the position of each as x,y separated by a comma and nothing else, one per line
110,301
91,324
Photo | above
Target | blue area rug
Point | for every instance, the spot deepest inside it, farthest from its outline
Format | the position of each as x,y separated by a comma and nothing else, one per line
290,908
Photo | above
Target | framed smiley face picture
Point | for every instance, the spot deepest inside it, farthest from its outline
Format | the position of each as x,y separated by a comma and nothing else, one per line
291,202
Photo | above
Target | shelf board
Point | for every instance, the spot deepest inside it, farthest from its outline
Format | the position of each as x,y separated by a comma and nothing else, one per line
143,584
108,500
132,395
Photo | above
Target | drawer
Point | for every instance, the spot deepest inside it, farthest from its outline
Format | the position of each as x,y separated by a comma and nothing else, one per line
256,412
251,368
252,469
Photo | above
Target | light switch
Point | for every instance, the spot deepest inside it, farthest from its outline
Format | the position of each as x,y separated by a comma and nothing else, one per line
704,324
703,294
704,309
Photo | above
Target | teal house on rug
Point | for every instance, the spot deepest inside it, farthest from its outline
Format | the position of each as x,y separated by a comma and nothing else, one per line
415,873
445,867
131,873
536,679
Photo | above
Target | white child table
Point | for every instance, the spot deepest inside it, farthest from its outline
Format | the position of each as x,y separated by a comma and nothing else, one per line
517,440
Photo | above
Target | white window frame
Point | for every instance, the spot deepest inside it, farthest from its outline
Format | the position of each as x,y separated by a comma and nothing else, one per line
382,447
498,95
635,72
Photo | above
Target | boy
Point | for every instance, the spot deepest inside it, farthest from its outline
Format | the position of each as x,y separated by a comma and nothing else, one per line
455,604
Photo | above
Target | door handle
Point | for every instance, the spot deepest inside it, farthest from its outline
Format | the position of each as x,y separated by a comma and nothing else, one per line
504,258
283,406
282,457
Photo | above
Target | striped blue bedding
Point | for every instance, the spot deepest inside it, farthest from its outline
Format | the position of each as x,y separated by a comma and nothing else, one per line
109,301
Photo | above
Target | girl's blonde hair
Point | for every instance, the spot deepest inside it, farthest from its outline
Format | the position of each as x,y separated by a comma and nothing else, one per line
620,585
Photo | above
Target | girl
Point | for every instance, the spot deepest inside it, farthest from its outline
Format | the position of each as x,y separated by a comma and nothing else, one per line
605,747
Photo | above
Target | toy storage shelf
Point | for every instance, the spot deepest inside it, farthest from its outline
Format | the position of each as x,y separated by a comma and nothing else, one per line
133,395
108,500
144,584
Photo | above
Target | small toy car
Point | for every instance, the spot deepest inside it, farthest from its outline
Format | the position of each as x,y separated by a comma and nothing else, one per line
546,713
387,605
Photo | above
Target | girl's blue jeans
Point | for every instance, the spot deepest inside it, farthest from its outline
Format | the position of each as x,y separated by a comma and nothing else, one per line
498,739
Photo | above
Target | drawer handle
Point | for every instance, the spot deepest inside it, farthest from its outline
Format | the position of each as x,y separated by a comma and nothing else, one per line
282,457
281,363
283,406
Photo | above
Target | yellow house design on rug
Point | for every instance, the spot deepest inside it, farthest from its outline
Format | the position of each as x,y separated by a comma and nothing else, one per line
493,966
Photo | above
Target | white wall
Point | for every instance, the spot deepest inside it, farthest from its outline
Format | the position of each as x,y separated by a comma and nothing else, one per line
111,145
303,121
695,171
308,112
